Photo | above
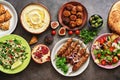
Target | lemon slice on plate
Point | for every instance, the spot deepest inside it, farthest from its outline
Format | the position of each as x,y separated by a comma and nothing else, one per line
16,64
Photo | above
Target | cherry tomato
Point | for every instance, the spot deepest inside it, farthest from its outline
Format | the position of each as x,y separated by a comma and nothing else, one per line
70,32
103,62
101,41
98,55
110,63
53,32
115,59
111,49
77,32
105,39
115,41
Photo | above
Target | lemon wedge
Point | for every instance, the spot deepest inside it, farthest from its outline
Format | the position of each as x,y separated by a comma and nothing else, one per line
16,64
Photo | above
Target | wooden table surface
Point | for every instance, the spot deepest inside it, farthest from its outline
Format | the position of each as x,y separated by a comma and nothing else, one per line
46,71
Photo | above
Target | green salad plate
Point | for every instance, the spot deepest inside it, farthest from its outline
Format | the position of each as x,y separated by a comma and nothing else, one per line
27,50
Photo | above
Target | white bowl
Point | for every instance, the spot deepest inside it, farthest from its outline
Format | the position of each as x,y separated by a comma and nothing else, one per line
13,20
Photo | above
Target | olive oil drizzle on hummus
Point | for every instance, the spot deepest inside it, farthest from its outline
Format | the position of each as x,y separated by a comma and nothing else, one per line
35,18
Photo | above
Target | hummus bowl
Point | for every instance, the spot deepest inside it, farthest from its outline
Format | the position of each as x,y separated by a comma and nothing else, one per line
35,18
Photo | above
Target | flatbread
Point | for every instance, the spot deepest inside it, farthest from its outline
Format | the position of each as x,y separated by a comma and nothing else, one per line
114,18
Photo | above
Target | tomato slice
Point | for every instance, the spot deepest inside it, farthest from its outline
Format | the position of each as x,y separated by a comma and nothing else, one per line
103,62
101,41
105,39
115,59
98,55
111,49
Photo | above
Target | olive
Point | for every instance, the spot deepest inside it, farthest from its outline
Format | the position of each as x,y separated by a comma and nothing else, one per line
96,21
93,21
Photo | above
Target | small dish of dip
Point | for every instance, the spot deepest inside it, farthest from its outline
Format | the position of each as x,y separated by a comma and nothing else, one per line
35,18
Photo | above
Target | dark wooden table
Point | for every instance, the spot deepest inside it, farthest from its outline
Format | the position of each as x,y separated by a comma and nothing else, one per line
46,71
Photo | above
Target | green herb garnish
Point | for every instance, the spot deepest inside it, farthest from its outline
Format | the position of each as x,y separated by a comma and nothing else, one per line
88,35
61,64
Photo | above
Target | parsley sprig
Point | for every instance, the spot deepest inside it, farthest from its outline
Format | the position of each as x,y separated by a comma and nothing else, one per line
88,35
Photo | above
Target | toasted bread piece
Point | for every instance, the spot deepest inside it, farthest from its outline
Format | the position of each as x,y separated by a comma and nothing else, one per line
114,18
114,36
33,40
2,18
2,9
7,15
5,25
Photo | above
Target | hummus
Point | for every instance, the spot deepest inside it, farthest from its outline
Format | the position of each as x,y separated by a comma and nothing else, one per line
35,18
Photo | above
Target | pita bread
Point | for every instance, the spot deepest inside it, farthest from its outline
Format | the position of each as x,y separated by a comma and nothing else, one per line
114,18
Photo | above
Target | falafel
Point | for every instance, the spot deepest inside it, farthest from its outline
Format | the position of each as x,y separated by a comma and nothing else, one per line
66,13
74,11
79,15
73,17
72,24
79,8
79,22
69,7
66,20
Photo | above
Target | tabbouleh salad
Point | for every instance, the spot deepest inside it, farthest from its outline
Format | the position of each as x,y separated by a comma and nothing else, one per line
11,51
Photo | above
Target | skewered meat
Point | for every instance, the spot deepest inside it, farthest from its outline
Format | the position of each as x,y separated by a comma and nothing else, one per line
74,45
73,54
67,51
76,55
81,52
83,59
64,47
70,48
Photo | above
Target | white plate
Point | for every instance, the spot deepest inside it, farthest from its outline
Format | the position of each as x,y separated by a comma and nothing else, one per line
54,53
13,20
